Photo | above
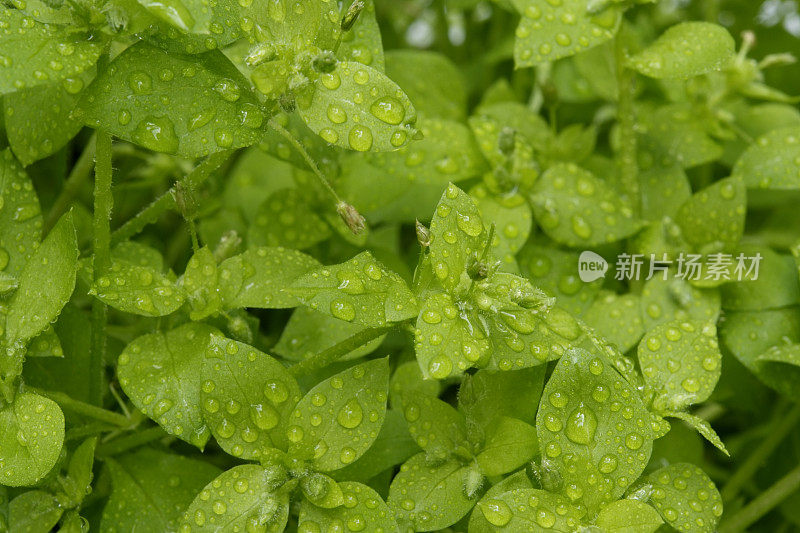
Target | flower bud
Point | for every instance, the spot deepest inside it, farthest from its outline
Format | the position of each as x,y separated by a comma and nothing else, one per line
325,62
352,14
423,234
351,217
185,200
260,53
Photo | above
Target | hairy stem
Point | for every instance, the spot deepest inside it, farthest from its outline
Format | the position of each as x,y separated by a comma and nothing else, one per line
336,352
166,201
103,203
779,429
77,177
764,503
626,119
84,409
130,441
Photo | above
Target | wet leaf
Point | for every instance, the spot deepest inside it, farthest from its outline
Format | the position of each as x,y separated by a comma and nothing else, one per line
363,43
675,299
200,284
35,511
431,81
771,162
715,215
617,318
628,516
436,426
287,218
363,509
509,444
685,497
489,394
530,509
139,290
20,218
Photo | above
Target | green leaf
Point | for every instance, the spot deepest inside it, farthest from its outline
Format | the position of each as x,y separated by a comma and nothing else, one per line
679,131
665,300
715,216
509,444
429,498
38,120
287,218
779,364
322,491
685,498
431,80
194,17
664,190
594,430
79,469
770,162
150,490
686,50
247,185
488,394
702,426
364,509
530,510
617,318
628,516
160,374
339,419
138,254
33,434
457,234
511,215
358,107
20,218
256,277
362,43
200,284
46,344
35,511
777,283
34,53
436,426
211,107
139,290
681,363
576,209
45,283
490,119
408,378
361,291
247,397
310,332
550,30
517,480
298,24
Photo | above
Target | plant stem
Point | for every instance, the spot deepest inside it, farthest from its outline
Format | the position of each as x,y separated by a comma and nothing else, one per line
291,139
77,177
779,429
130,441
626,154
103,203
764,503
334,353
166,201
84,409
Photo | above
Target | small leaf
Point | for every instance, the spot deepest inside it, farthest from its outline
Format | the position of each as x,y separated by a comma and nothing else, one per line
530,510
33,53
45,283
364,509
361,291
359,108
408,378
665,300
362,43
160,374
429,498
702,426
771,161
436,426
46,344
297,24
686,50
288,218
247,397
595,442
252,503
322,491
488,394
150,490
776,285
552,30
200,284
664,190
510,443
517,480
35,511
617,318
20,218
339,419
79,469
256,277
138,290
715,215
511,215
685,498
33,434
628,516
575,208
679,131
211,108
431,81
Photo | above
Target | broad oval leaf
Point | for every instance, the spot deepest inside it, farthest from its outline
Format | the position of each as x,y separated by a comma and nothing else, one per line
20,217
617,318
685,498
429,498
209,107
575,208
715,215
361,291
489,394
363,509
339,419
359,108
33,53
35,511
247,397
678,131
509,444
436,426
685,50
594,430
775,284
771,161
139,290
431,80
33,434
530,510
628,516
665,300
159,373
287,218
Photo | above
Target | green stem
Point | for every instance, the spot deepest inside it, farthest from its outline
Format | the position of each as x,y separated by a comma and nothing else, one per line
334,353
103,203
626,155
286,134
764,503
130,441
84,409
166,201
77,177
779,429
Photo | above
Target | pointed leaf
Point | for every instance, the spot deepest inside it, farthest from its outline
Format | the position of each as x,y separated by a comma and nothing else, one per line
139,290
702,426
628,516
509,444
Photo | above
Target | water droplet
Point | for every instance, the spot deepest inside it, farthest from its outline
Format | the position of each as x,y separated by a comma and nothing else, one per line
227,89
388,110
350,415
496,512
360,138
140,83
581,425
343,310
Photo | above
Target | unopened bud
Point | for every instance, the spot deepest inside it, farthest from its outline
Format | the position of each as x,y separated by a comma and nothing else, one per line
185,200
423,234
351,217
260,53
228,245
507,140
352,14
275,476
473,481
325,62
477,269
